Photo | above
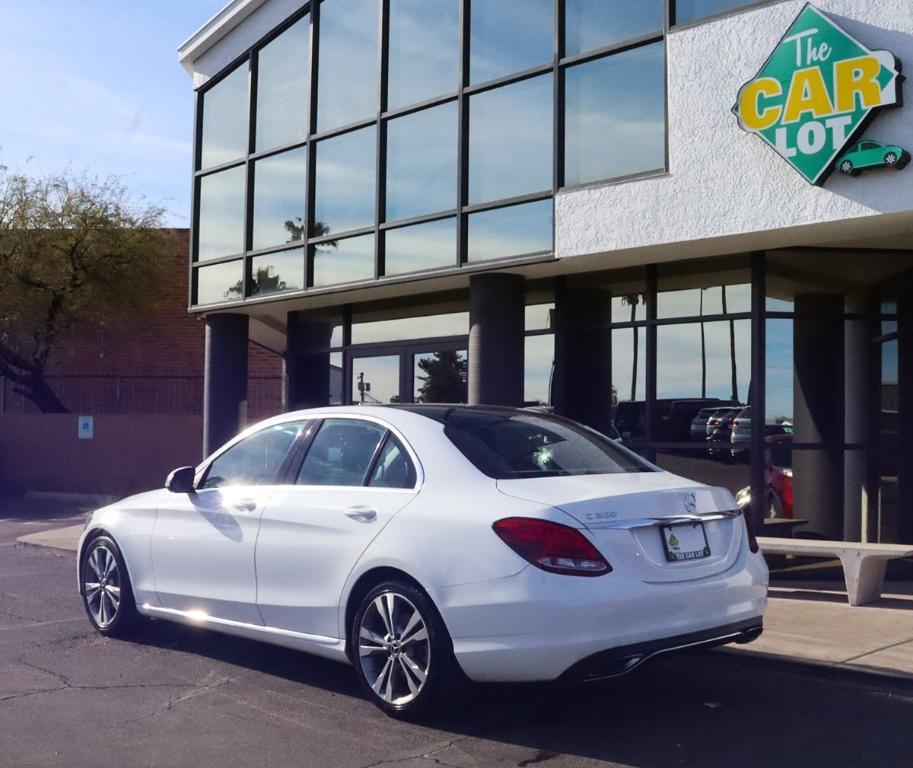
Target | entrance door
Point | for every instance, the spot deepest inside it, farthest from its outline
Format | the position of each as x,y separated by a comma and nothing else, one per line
424,372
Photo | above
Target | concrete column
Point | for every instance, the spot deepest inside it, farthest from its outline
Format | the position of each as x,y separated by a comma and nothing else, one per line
496,325
583,353
307,361
904,503
818,347
224,379
856,420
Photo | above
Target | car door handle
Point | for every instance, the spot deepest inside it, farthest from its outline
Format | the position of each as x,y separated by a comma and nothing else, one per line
246,505
362,514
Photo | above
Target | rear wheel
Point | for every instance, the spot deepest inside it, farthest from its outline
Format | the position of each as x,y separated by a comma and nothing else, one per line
401,650
846,167
106,592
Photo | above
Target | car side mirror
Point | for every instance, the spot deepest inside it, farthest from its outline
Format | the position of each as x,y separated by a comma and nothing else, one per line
181,480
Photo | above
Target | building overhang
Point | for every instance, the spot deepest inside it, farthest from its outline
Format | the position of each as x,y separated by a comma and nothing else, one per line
214,30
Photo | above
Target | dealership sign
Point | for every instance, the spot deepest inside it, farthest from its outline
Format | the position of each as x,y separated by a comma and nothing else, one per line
815,95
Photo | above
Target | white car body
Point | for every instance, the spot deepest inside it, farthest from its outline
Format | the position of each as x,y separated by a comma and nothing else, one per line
279,563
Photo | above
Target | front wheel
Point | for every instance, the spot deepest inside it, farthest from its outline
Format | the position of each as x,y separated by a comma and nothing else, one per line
890,159
106,592
401,650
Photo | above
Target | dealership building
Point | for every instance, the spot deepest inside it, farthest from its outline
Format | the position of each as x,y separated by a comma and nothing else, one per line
629,211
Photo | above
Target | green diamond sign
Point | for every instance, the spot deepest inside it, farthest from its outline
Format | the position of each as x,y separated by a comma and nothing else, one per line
815,95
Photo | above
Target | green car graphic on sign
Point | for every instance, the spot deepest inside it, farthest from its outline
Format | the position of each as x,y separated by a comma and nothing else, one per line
868,154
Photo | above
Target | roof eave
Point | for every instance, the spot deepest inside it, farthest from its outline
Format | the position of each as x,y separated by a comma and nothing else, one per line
223,22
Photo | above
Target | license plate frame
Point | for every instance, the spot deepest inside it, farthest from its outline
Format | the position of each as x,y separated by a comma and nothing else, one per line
675,549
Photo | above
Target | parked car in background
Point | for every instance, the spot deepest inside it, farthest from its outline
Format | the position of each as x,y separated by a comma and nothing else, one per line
700,424
778,479
673,417
740,438
719,433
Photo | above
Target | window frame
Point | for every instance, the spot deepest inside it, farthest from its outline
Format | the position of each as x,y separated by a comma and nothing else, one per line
461,95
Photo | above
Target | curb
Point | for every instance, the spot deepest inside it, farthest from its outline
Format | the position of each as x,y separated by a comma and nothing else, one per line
51,538
858,674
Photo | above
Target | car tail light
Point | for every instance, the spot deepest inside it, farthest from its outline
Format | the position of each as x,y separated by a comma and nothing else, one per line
551,546
752,540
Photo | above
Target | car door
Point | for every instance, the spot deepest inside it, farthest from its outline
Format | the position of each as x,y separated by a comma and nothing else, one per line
872,153
203,543
354,476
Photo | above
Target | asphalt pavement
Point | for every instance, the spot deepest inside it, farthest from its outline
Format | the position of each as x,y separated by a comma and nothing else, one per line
183,697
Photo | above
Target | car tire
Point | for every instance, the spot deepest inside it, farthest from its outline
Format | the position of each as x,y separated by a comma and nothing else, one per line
890,159
104,584
401,651
846,167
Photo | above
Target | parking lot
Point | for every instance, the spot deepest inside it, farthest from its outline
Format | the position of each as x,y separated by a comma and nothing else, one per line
180,697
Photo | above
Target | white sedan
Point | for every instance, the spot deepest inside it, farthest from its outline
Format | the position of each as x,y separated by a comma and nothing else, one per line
417,541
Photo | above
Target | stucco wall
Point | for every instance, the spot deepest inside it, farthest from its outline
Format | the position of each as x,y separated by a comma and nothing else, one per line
724,183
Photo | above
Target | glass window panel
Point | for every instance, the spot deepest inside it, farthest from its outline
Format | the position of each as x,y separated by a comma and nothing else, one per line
255,460
538,367
225,115
345,183
348,76
778,390
422,163
341,453
375,380
701,360
629,307
423,246
283,73
629,368
440,377
697,464
508,36
515,231
393,468
276,272
344,261
220,282
220,228
695,302
280,189
336,378
510,140
424,50
591,24
428,326
539,316
691,10
615,116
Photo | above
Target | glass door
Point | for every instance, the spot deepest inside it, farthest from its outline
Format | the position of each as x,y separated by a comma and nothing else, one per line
375,379
439,375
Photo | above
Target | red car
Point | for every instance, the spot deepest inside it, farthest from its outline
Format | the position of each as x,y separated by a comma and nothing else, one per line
778,471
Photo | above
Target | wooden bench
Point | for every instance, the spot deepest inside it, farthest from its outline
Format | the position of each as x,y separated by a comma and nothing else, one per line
863,564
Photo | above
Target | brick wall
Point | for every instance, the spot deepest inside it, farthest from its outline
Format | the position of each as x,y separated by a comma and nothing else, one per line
150,362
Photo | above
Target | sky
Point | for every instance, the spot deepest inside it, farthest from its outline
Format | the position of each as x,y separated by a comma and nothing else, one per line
95,86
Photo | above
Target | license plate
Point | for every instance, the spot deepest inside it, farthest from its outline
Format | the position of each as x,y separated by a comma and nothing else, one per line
685,541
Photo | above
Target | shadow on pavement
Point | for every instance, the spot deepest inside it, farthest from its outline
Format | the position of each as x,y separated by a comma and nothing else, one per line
695,709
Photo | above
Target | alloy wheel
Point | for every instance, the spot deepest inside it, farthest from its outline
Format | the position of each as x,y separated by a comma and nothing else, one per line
890,158
102,585
394,648
846,167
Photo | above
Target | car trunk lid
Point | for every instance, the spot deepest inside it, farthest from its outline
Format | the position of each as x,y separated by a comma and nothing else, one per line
624,515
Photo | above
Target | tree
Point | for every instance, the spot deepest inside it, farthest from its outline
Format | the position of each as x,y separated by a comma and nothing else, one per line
632,300
444,379
72,249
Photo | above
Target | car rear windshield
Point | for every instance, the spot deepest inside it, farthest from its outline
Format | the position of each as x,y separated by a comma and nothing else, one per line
507,444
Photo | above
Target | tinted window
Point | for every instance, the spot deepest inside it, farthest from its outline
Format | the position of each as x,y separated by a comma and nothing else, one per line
593,24
276,272
508,36
422,246
393,468
225,113
508,444
280,188
344,261
282,87
256,460
221,222
515,231
220,282
340,453
424,50
346,172
615,116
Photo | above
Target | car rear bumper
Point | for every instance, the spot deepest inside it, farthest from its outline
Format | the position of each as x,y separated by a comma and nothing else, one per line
537,626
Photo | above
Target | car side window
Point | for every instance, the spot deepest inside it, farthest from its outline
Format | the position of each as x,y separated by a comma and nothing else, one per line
393,468
340,453
256,460
868,145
